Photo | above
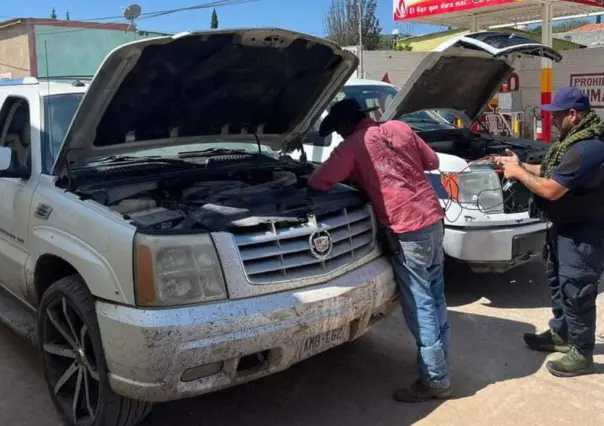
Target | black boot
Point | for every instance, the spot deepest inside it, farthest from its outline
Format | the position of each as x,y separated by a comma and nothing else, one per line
420,392
548,341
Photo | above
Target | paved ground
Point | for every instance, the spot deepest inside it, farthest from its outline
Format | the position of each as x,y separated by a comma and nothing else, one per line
496,379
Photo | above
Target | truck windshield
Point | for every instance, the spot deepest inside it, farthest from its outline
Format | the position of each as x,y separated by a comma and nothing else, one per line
382,95
429,120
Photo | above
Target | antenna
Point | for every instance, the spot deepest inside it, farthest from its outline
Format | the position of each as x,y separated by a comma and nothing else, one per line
131,13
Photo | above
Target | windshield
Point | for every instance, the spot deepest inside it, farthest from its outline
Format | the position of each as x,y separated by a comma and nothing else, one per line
383,95
441,119
60,110
368,96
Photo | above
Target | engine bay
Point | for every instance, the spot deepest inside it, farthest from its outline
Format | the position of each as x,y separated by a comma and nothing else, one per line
472,146
218,201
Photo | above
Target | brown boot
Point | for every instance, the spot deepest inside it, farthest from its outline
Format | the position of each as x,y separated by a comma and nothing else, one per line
420,392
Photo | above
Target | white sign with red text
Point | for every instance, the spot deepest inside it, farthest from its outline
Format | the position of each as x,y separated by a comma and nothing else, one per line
592,85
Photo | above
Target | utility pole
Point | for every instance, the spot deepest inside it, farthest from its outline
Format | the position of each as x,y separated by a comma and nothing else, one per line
361,70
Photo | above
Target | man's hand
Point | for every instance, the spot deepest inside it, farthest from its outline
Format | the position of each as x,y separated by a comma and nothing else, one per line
545,188
512,170
510,157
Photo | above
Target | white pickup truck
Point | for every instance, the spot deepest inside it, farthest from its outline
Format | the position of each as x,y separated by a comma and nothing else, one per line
488,227
154,244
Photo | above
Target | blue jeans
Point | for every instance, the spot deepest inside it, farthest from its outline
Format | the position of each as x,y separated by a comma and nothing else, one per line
419,270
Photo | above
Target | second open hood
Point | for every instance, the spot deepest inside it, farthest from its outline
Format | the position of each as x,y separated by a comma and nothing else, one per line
209,86
464,73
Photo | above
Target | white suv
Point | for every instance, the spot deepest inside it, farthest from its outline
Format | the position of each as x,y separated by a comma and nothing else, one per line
488,227
152,241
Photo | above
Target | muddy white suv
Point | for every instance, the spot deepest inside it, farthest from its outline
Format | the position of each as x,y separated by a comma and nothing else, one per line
154,244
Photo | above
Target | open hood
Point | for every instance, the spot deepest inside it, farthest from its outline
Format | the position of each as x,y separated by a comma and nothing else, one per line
464,73
207,86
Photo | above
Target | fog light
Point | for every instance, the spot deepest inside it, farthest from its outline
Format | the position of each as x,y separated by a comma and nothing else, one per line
201,371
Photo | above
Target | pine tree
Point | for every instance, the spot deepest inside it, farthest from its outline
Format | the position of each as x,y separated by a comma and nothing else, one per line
53,13
67,16
214,23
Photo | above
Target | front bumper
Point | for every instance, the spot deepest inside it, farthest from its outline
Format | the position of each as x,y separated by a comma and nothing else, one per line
511,244
148,351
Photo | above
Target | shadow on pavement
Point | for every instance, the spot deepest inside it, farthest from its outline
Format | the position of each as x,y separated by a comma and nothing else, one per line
524,287
352,385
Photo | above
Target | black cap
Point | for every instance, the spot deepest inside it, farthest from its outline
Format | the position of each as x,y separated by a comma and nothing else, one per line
341,111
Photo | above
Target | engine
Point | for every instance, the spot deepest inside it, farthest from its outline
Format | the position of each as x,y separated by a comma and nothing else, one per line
225,202
471,146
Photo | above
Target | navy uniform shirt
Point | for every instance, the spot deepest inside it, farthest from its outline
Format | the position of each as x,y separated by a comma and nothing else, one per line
582,168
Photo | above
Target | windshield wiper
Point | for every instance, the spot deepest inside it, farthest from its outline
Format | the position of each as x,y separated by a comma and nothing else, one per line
138,159
213,151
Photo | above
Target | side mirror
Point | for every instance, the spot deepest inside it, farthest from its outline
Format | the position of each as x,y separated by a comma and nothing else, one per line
10,167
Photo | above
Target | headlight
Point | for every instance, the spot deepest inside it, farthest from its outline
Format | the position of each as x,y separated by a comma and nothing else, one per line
477,189
176,270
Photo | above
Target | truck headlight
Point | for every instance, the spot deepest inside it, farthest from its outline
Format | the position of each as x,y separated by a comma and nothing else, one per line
176,270
478,189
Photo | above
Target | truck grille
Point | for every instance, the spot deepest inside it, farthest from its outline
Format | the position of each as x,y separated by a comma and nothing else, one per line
282,252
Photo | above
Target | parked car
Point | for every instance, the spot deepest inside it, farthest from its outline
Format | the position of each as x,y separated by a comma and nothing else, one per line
487,227
152,242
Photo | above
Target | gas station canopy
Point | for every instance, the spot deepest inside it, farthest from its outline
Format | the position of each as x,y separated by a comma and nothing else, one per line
475,14
487,14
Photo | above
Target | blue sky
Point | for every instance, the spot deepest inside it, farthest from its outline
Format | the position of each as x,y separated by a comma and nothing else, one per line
300,15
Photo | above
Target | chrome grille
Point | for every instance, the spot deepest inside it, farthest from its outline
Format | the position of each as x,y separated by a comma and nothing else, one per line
282,253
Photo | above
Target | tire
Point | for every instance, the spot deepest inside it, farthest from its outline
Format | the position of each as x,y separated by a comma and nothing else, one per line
73,359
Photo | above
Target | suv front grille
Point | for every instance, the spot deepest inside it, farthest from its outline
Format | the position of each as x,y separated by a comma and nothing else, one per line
282,252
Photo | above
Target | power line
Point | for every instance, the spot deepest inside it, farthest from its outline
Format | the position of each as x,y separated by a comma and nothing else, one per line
150,15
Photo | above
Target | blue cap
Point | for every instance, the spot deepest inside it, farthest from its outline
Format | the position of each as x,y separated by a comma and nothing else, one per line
568,98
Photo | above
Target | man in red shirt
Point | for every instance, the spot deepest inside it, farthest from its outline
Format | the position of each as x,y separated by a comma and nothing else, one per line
388,162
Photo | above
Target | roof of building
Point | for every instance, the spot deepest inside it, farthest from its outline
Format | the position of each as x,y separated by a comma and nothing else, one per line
70,24
427,42
589,28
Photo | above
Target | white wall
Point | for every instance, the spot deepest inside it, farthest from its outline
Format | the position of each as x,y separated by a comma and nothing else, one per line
583,68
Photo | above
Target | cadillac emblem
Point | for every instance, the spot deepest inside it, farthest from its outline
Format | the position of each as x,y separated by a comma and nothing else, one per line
320,244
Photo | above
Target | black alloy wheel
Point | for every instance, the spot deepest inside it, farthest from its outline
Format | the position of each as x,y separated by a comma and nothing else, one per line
74,362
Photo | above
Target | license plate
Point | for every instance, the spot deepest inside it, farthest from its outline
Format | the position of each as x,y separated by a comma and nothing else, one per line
321,342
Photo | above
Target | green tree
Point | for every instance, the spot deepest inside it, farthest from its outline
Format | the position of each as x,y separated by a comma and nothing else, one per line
53,13
67,15
214,23
342,23
563,27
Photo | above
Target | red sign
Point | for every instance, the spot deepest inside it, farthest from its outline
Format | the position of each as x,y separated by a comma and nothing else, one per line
413,9
592,85
513,83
